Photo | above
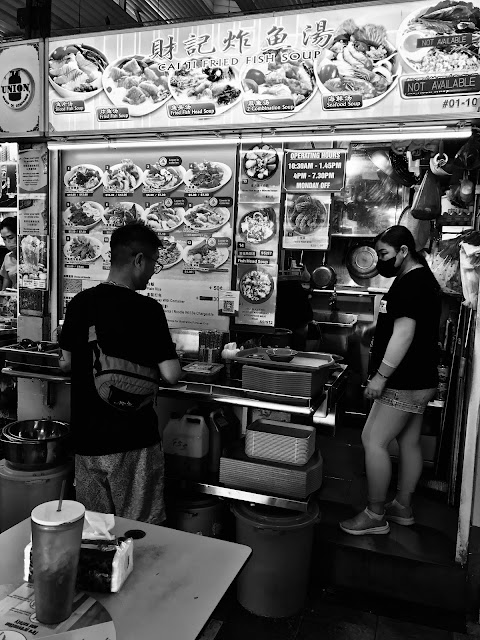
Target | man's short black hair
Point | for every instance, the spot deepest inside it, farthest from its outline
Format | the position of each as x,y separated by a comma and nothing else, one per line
131,239
9,223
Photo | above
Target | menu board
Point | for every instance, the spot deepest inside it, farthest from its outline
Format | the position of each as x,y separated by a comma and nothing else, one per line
395,61
186,197
257,233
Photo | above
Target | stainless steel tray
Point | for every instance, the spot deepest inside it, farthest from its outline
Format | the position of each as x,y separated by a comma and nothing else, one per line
305,361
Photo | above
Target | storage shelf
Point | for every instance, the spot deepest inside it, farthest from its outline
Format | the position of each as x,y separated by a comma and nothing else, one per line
8,371
295,504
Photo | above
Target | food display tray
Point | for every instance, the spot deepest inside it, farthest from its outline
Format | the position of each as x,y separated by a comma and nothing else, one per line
306,361
307,384
239,471
48,357
202,371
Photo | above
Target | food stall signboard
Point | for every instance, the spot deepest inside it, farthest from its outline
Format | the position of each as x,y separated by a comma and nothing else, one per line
315,67
21,91
314,170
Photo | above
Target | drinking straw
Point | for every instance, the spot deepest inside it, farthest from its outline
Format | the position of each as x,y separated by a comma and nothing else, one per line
62,491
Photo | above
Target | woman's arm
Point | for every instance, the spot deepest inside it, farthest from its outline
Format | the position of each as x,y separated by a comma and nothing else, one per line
6,283
398,345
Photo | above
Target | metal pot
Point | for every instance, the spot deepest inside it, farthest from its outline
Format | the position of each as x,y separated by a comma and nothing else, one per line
362,262
35,453
324,277
37,429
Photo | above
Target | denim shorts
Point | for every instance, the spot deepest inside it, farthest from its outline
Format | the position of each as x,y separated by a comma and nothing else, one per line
411,400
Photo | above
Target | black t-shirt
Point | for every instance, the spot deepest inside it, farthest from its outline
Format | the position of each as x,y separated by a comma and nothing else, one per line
130,326
416,296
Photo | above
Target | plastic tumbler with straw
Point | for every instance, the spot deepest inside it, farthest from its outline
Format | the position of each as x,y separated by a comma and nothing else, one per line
56,539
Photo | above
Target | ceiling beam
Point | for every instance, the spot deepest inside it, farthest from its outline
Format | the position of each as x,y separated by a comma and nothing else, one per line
246,5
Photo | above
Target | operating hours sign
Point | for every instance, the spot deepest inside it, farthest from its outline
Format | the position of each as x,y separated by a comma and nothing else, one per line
314,170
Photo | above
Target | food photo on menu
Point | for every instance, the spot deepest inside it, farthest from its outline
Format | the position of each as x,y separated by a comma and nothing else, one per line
33,261
257,225
255,283
280,75
446,18
83,177
75,71
359,60
207,176
205,254
204,217
261,162
198,81
163,219
120,213
82,248
171,252
83,214
124,176
307,220
137,82
158,177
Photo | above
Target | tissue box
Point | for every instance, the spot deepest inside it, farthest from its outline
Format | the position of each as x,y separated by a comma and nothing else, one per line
104,565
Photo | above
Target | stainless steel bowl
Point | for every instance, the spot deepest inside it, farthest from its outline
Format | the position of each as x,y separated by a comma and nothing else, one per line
37,429
47,447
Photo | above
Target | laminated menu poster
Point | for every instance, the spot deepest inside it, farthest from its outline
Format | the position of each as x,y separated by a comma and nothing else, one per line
33,262
186,198
257,233
258,292
33,216
323,66
33,168
89,619
307,221
260,173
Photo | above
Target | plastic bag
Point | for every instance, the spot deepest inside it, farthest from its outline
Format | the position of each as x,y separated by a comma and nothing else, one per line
469,270
426,203
468,156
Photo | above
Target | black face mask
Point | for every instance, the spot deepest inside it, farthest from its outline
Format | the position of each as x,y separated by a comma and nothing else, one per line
387,268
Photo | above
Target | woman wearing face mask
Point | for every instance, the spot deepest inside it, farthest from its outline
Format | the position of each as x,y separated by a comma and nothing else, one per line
8,271
403,380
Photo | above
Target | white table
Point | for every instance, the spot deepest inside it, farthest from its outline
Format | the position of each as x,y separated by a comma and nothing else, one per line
178,579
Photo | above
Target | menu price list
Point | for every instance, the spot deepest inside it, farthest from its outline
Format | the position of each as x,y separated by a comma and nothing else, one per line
187,200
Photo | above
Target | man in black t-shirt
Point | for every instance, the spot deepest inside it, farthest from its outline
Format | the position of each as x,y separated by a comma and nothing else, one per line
118,455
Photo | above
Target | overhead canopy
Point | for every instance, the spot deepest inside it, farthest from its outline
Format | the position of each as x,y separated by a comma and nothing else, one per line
98,15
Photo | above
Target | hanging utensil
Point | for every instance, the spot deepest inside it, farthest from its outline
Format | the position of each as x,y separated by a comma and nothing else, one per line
324,276
362,261
420,229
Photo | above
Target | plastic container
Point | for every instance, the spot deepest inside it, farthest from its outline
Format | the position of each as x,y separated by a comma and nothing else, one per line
21,491
56,541
280,441
199,514
335,334
274,581
186,447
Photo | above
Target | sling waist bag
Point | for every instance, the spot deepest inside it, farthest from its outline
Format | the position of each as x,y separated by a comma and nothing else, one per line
123,384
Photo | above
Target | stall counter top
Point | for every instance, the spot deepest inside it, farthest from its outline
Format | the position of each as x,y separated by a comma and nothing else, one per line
177,580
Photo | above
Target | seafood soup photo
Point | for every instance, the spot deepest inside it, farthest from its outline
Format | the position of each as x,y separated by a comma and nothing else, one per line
453,31
359,60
